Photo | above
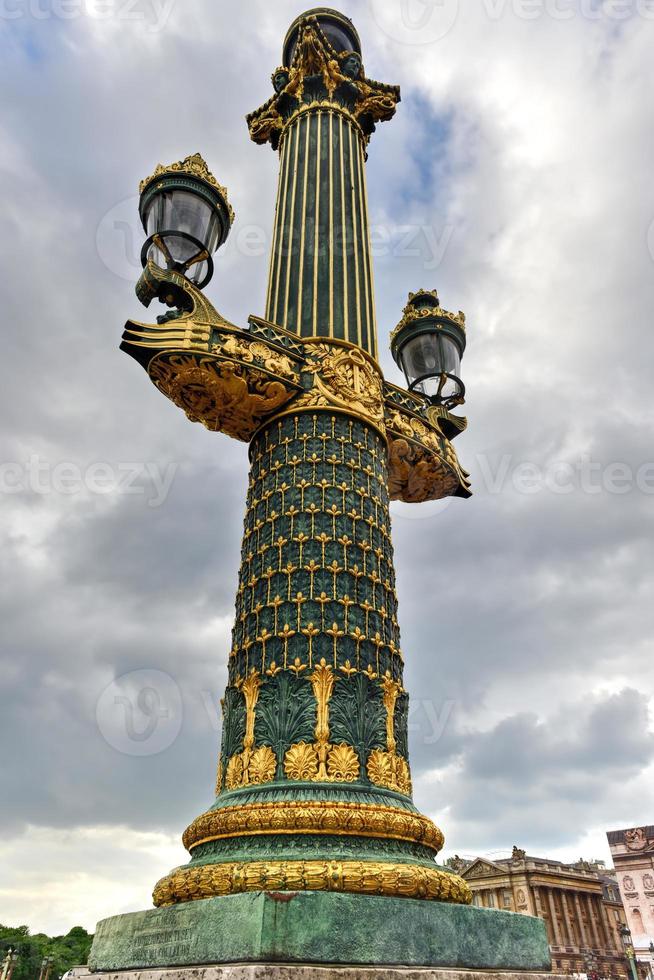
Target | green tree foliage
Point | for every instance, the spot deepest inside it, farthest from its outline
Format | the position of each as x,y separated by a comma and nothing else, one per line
66,951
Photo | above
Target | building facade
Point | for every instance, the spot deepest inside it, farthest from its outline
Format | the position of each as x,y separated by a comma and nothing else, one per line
580,904
633,857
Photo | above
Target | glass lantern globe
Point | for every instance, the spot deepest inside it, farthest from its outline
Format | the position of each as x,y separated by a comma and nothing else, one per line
186,216
428,345
337,28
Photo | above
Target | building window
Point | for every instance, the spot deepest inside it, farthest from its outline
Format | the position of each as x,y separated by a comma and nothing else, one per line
507,899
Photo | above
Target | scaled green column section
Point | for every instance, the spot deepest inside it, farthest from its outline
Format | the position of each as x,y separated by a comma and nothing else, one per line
317,584
321,280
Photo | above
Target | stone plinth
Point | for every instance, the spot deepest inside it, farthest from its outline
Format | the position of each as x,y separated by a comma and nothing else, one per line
319,928
280,971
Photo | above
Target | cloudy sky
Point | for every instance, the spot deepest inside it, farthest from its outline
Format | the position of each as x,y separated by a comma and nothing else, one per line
516,178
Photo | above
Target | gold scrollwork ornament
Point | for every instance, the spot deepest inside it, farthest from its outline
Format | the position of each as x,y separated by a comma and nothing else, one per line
223,396
345,378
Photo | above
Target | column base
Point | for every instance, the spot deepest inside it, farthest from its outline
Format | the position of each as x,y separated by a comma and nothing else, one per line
294,971
316,928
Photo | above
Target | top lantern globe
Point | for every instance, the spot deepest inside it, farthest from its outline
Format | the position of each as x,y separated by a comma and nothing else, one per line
428,344
186,216
337,28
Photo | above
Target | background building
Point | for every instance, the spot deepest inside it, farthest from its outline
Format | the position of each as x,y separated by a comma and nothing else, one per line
633,856
580,904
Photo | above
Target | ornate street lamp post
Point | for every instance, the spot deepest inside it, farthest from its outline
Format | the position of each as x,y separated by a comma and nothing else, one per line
314,740
46,967
9,964
313,787
625,935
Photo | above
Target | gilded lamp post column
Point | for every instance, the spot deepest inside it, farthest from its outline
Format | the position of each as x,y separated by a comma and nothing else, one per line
313,788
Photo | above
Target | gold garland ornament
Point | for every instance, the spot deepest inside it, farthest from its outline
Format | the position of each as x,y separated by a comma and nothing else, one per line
361,877
314,817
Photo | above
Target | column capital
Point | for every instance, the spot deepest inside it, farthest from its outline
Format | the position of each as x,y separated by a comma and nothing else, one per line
324,71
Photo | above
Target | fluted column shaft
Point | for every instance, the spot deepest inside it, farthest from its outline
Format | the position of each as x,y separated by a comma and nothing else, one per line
321,278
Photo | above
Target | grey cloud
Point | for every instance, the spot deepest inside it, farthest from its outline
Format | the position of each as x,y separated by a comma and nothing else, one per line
546,186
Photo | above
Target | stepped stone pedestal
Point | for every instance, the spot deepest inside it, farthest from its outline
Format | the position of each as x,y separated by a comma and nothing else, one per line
357,934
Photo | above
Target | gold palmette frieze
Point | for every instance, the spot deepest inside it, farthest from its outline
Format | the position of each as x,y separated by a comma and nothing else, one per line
314,817
360,877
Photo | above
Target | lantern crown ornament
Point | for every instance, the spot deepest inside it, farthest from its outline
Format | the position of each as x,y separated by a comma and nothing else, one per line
313,789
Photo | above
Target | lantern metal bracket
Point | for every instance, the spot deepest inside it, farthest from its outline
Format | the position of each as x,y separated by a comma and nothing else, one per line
234,380
422,462
229,379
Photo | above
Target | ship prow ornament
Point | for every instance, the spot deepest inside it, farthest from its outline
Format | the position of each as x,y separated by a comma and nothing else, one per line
312,850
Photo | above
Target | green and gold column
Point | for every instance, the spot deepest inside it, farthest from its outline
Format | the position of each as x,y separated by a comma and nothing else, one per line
313,788
321,280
